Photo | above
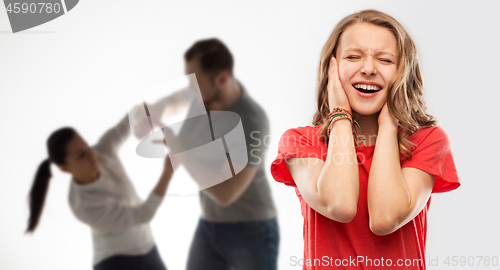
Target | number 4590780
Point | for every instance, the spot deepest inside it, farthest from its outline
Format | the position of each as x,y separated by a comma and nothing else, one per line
33,8
471,260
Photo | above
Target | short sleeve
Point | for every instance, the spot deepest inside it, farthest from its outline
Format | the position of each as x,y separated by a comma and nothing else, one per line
296,142
433,155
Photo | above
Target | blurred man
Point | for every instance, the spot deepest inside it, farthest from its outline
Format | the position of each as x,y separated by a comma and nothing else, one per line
238,227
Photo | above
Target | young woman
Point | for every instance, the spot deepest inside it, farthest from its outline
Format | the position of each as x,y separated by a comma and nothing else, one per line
102,196
365,172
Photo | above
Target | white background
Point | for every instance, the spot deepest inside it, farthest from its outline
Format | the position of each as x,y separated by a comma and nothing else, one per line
83,68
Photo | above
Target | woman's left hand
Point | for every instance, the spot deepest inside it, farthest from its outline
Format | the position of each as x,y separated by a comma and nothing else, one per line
385,118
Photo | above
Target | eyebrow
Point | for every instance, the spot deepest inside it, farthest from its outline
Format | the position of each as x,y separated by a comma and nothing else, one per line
376,54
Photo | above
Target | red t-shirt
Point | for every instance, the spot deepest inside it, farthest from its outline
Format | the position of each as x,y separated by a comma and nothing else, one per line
329,244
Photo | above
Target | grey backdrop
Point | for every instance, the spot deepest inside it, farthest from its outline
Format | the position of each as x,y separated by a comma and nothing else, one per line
83,68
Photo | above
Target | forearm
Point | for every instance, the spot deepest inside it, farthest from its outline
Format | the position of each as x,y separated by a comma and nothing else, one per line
218,183
338,182
113,138
229,191
388,195
161,187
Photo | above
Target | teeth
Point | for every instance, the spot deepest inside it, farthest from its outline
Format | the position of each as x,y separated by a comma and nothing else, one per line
367,86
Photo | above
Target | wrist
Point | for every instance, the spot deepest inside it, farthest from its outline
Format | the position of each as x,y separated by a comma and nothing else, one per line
335,115
390,127
343,122
343,125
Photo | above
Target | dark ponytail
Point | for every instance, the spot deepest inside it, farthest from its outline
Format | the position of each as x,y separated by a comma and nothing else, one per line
56,146
38,193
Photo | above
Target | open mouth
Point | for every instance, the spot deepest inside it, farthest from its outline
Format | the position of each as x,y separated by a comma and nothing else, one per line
367,88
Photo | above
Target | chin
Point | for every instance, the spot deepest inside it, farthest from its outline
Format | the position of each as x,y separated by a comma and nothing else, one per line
368,107
365,110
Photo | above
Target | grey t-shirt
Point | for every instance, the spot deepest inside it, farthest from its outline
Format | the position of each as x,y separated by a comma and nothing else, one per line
256,202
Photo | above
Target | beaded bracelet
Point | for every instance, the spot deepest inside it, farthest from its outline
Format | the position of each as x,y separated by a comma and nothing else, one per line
359,138
341,113
339,110
335,115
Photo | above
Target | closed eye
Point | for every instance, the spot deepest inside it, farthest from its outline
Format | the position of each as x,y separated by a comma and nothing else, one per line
84,153
352,57
386,60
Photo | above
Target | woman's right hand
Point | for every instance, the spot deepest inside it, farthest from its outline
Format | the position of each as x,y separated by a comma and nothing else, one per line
336,93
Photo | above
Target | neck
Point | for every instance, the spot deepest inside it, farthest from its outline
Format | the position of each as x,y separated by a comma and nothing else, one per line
86,179
369,126
227,96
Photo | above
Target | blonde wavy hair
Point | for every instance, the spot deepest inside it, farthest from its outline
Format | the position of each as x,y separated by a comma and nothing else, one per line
404,95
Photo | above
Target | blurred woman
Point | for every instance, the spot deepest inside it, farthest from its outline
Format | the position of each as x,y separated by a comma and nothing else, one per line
102,196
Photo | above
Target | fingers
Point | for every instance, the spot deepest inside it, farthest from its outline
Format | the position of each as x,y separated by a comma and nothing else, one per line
334,73
337,96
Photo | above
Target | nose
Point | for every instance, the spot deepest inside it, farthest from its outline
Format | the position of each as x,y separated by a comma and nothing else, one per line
368,67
